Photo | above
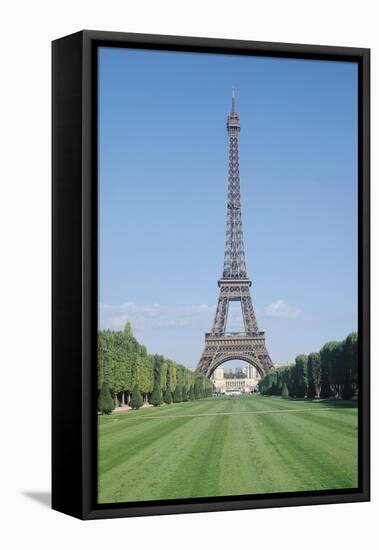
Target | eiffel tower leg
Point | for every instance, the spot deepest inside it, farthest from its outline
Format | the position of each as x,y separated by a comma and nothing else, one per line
265,359
248,314
221,315
204,363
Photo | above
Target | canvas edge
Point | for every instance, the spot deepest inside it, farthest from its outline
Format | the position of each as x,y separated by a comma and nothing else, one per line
81,504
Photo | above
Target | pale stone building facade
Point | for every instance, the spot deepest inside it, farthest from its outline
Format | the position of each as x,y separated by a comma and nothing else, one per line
235,384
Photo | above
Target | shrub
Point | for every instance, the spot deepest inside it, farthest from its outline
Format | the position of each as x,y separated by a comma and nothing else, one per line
299,373
325,390
177,395
311,391
156,396
167,397
105,402
347,391
136,400
284,390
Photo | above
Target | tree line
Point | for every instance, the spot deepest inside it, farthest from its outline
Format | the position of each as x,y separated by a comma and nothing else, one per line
128,375
331,372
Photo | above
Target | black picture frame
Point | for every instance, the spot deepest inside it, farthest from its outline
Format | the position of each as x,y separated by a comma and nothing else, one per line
74,272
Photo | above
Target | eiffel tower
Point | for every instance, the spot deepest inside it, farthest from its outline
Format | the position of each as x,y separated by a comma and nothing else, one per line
234,284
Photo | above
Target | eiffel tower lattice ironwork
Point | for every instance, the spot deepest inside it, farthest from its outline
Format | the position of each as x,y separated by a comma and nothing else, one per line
234,284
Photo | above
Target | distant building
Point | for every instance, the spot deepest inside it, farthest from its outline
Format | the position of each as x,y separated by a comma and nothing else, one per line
246,384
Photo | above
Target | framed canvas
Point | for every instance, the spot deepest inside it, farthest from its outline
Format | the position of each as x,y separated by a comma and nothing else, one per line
210,275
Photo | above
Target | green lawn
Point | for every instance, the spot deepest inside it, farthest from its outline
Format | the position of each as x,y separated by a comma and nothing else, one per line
220,446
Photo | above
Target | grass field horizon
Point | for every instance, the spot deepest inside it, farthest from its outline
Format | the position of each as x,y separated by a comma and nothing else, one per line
221,447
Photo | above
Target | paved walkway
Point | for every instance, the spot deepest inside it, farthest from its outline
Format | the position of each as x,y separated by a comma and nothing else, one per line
126,408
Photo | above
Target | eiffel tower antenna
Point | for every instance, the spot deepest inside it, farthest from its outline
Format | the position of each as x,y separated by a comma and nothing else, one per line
234,284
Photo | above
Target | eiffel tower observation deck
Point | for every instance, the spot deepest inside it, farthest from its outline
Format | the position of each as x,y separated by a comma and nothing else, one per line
234,284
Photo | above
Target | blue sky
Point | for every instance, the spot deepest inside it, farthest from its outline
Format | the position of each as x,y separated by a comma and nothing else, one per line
163,186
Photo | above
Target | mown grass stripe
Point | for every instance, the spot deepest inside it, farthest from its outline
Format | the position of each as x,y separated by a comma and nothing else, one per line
274,411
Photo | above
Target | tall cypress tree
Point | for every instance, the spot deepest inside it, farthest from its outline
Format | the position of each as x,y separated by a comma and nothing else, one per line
326,354
313,360
325,389
184,394
348,363
300,375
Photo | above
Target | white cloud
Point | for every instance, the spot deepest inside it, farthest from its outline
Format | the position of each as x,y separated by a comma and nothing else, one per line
155,316
145,317
280,309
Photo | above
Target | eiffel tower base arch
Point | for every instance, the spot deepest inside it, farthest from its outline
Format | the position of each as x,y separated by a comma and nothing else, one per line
229,347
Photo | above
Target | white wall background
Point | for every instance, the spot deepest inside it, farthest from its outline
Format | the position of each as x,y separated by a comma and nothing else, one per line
27,29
